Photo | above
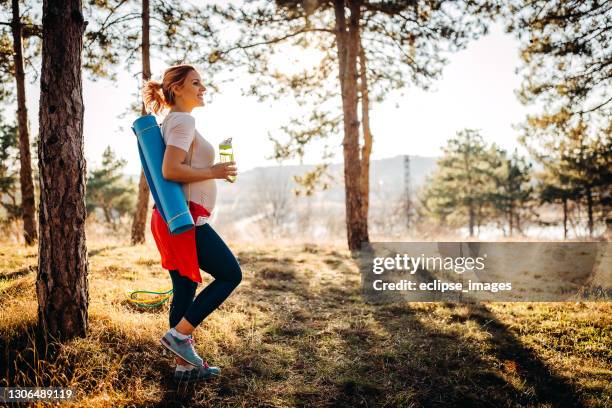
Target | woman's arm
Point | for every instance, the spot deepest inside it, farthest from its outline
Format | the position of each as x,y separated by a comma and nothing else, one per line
174,169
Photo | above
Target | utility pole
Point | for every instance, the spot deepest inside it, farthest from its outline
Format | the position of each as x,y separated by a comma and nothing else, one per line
407,200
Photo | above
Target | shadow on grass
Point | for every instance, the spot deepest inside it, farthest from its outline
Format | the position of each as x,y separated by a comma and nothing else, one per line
98,251
425,366
550,388
23,346
97,365
18,273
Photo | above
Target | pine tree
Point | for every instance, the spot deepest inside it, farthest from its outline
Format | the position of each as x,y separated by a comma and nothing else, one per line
22,52
586,162
512,197
458,191
577,173
108,190
61,282
9,157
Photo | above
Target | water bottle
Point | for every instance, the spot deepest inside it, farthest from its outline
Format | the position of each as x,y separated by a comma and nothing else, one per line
226,154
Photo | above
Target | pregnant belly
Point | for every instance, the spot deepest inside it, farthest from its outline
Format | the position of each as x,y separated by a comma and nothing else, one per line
203,193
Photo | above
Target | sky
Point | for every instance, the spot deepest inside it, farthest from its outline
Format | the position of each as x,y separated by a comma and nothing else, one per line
476,91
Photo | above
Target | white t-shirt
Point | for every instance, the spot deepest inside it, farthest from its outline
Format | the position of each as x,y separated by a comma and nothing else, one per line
178,129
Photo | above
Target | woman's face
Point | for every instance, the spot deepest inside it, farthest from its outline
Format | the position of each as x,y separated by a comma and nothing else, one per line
191,92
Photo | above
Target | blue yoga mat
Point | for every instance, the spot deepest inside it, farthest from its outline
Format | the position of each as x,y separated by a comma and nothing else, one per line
168,195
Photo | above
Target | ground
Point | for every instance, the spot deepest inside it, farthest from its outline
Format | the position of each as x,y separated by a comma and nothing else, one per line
298,333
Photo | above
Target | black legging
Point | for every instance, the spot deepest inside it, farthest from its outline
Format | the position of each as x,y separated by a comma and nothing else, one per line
215,258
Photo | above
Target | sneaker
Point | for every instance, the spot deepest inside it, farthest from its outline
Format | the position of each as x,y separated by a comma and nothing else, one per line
182,348
201,373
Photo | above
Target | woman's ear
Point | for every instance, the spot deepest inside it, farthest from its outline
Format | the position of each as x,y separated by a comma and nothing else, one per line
173,90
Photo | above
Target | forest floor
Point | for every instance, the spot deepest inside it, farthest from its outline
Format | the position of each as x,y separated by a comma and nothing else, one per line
297,332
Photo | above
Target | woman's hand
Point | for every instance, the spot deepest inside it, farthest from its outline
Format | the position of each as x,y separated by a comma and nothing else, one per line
223,170
174,168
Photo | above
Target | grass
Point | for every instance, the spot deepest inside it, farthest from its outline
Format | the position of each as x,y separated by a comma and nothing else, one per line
297,333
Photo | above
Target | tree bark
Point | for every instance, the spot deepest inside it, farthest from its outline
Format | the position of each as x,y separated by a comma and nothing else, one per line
28,206
366,149
61,283
142,206
348,47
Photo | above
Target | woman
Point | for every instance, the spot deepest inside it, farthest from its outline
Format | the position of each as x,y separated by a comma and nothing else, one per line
189,159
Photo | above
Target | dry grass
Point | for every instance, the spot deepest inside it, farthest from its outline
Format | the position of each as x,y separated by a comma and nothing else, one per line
297,333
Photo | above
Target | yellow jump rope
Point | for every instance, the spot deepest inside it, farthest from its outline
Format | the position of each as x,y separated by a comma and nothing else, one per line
148,298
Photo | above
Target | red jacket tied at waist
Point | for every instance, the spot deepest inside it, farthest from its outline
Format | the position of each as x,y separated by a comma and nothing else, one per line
178,252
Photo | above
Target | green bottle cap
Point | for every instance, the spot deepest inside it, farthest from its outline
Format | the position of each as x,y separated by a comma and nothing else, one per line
226,144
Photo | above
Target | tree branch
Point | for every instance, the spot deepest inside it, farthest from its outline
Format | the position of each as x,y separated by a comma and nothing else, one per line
104,25
594,108
276,40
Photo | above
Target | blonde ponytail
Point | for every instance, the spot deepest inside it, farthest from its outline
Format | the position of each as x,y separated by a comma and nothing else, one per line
153,97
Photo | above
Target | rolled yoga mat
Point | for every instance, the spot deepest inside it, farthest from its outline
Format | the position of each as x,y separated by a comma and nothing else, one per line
168,195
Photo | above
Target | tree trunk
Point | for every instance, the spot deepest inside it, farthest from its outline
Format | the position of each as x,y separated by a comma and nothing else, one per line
564,217
142,206
471,216
61,283
107,216
366,149
28,206
478,218
348,48
589,196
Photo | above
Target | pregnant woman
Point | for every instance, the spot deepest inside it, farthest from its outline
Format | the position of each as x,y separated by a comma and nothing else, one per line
189,159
